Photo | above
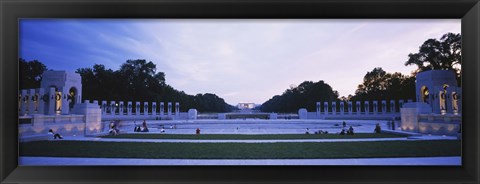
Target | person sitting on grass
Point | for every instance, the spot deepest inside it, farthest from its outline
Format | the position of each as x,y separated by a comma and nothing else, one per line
342,132
55,135
113,130
350,131
378,129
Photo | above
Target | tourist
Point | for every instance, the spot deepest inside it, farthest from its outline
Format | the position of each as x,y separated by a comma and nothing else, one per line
144,126
137,127
350,131
342,132
197,131
171,126
113,130
55,135
377,128
344,124
307,131
162,130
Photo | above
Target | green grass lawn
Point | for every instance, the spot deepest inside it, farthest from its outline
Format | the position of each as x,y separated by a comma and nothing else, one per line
251,137
376,149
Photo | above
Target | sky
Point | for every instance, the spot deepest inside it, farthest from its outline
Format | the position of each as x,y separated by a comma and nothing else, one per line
246,61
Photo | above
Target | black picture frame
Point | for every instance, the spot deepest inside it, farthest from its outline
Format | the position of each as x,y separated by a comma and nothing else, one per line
466,10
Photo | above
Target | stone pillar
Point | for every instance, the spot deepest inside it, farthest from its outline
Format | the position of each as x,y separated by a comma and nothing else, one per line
392,106
375,107
334,108
154,108
41,101
24,103
113,108
302,113
400,103
162,109
358,107
65,105
443,101
169,109
121,109
455,104
318,108
137,108
51,101
104,107
325,108
384,106
129,108
350,109
342,107
145,108
177,109
32,101
367,107
78,98
192,114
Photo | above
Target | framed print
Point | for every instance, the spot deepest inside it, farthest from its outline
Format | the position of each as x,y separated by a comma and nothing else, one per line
250,91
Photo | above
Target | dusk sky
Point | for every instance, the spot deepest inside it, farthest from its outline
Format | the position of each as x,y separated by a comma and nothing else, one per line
239,60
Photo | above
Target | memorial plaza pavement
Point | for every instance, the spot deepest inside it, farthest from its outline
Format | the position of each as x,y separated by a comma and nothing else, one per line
248,127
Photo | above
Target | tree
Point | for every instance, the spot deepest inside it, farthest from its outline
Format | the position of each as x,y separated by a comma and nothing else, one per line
302,96
30,73
443,54
380,85
138,80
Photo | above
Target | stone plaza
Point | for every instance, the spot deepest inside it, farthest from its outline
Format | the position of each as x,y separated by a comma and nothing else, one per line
434,115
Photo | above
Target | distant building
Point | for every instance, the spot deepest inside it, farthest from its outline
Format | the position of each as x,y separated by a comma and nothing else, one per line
243,106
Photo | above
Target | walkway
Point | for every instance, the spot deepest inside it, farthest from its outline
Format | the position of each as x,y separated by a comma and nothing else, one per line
417,161
419,138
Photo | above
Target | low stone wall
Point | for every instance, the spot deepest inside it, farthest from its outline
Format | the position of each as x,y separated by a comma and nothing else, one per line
84,120
181,116
62,124
417,117
340,116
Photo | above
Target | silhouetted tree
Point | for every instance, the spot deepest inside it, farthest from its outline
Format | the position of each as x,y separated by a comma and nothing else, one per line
30,73
304,95
441,54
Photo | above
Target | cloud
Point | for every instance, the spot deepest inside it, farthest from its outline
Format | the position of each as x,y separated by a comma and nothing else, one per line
239,60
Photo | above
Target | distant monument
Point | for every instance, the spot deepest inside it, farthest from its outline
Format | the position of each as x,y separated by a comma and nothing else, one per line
245,106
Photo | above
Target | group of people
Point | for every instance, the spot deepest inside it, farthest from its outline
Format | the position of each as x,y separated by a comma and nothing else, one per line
350,131
142,128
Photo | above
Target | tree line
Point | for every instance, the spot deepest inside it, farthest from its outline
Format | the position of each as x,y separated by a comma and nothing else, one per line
136,80
433,54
